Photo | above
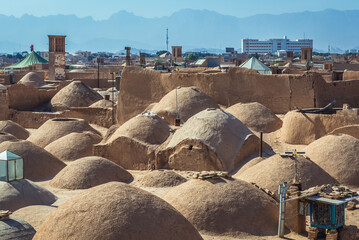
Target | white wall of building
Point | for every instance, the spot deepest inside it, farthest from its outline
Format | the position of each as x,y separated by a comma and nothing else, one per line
273,45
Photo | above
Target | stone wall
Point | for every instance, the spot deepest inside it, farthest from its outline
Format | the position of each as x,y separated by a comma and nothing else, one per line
341,91
26,98
98,116
90,79
280,93
4,105
350,75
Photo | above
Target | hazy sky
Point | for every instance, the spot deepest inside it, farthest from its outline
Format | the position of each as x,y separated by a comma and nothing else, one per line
103,9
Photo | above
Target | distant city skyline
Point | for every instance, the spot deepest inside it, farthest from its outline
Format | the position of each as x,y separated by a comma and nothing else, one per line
100,10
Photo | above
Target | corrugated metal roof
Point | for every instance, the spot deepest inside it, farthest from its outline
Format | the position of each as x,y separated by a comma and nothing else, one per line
199,61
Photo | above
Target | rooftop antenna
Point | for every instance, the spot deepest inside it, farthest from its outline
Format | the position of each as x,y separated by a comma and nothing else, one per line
177,121
328,48
293,155
283,188
167,38
304,35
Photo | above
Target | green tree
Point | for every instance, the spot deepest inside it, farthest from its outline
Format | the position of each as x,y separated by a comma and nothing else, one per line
193,56
89,58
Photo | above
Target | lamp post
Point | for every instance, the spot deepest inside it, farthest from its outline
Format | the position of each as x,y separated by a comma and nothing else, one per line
100,60
113,97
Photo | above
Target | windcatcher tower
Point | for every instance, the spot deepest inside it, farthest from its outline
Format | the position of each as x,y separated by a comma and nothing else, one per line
128,56
57,57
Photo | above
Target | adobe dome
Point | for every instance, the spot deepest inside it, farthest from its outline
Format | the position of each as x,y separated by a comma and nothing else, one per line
56,128
6,137
352,130
73,146
38,163
133,144
116,211
338,155
160,179
76,94
190,101
88,172
225,206
32,79
304,128
147,128
21,193
34,214
225,139
14,228
13,128
250,164
103,103
256,116
276,170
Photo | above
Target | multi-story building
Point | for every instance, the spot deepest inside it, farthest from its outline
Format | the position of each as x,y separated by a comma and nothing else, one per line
274,45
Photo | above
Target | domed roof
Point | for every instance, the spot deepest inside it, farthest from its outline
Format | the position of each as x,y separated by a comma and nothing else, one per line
116,211
34,214
38,163
73,146
256,116
352,130
219,130
21,193
32,79
56,128
88,172
103,103
225,206
338,155
276,170
190,101
13,128
250,164
76,94
147,128
14,228
133,144
6,137
304,128
160,179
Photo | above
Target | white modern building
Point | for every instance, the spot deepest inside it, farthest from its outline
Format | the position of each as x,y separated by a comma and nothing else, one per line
274,45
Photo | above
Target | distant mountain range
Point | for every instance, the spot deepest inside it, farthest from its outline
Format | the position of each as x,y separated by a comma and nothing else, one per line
192,29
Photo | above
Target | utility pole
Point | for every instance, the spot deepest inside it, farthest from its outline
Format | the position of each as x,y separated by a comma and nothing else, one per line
282,191
99,61
167,39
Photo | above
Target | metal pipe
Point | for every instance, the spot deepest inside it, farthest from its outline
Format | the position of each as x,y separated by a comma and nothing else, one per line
177,121
282,194
113,98
98,75
261,145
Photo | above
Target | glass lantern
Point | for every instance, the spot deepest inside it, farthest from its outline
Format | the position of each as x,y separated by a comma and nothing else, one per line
11,167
